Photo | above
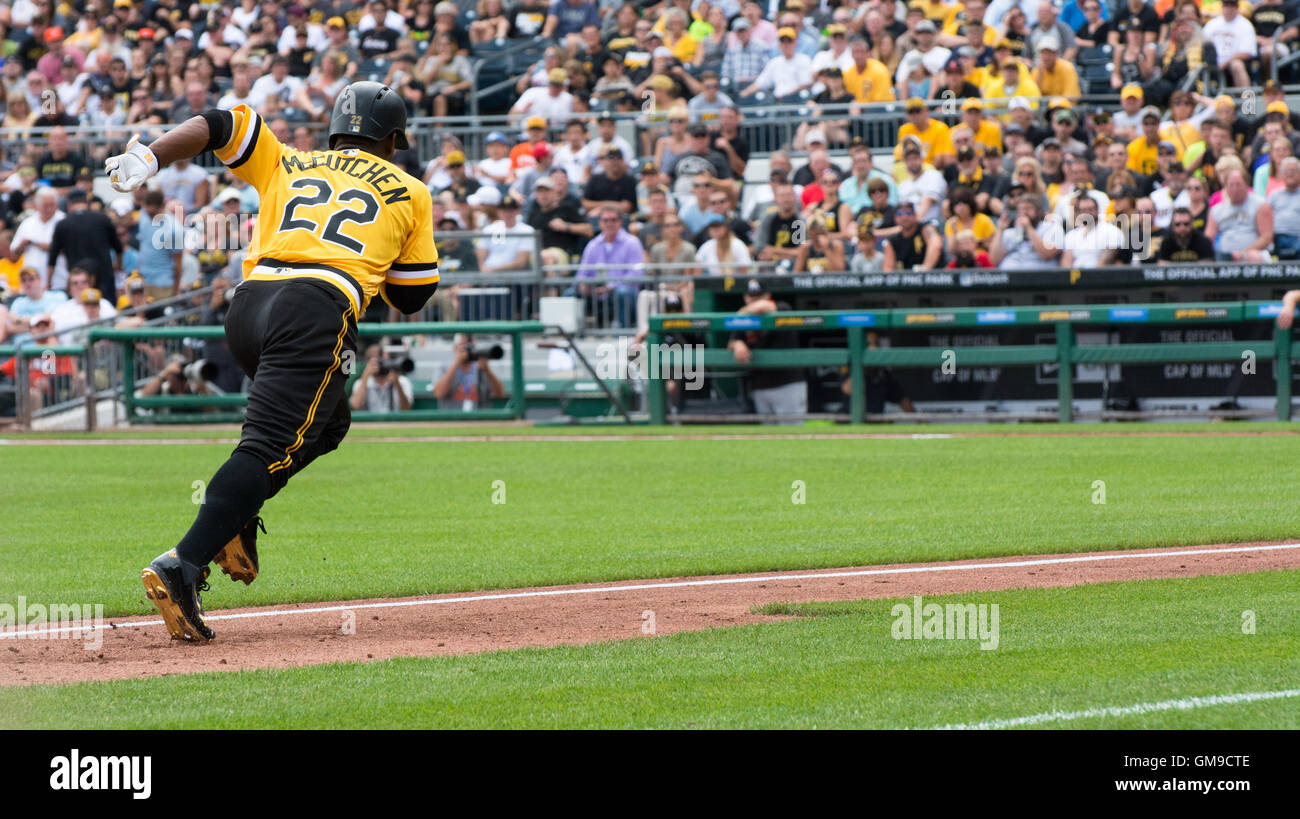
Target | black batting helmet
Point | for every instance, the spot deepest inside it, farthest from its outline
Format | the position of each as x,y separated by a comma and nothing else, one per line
371,110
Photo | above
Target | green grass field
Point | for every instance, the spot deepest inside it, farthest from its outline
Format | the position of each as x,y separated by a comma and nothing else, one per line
391,519
1114,644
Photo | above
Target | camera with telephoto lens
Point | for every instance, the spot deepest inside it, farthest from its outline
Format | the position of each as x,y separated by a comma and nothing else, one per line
493,352
199,372
395,358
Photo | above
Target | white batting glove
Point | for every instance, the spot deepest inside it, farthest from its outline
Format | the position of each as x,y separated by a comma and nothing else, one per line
130,170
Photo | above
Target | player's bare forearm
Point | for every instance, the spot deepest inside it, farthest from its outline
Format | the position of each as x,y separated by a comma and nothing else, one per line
186,141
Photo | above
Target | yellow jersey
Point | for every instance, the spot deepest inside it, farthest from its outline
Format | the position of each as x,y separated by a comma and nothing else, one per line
1141,156
872,84
345,217
982,226
936,138
989,134
1061,81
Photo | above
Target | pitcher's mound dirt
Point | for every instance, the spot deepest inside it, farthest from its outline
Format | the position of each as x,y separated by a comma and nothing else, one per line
304,634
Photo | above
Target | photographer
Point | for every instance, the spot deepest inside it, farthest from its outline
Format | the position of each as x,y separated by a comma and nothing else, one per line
382,387
179,378
469,382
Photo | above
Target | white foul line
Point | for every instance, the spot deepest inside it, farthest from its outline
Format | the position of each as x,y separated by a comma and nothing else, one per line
676,584
1185,704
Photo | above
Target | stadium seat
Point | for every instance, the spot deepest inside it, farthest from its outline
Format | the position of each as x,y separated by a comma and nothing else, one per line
377,65
1097,55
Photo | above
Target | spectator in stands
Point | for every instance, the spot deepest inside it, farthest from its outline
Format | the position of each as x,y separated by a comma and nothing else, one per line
1012,81
924,187
490,23
18,117
729,141
612,255
701,157
854,190
723,253
1172,194
566,18
712,47
926,50
866,78
561,225
613,83
1093,242
1234,42
782,229
1181,242
822,251
1116,162
161,245
613,188
1019,242
1095,29
461,185
33,237
966,252
598,148
1285,203
746,58
74,312
780,392
34,302
467,384
934,136
786,73
1054,76
448,75
1047,29
877,214
916,246
509,244
674,249
87,239
197,99
59,165
1128,120
1143,151
1241,224
867,258
647,223
552,101
187,183
966,217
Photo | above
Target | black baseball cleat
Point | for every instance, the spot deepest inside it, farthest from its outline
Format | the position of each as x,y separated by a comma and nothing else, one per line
178,602
238,558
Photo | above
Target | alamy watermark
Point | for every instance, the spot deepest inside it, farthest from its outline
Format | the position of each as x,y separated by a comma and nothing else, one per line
951,621
625,359
56,621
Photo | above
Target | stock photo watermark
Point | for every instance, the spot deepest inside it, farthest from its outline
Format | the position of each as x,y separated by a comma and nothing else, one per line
919,620
75,772
625,359
55,621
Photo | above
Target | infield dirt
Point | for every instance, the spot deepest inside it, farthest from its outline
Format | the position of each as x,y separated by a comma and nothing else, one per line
466,623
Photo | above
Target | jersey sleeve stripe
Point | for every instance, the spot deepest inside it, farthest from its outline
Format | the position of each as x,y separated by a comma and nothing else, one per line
238,135
414,266
249,142
424,275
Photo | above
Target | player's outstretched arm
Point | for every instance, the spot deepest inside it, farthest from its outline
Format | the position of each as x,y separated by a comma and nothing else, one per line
130,170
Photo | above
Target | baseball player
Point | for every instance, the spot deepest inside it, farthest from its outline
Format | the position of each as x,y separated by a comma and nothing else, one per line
334,228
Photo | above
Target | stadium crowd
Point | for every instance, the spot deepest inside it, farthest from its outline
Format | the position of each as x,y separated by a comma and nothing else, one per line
627,148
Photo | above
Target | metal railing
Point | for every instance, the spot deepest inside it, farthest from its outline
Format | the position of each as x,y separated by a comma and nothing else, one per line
1063,350
62,376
